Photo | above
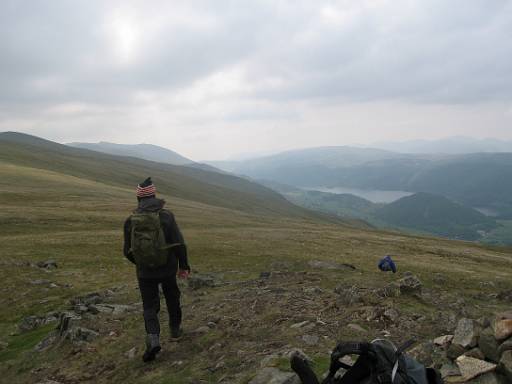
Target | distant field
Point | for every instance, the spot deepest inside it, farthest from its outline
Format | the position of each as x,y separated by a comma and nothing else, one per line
77,222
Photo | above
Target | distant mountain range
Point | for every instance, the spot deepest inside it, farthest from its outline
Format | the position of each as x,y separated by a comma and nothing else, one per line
420,212
480,180
450,145
143,151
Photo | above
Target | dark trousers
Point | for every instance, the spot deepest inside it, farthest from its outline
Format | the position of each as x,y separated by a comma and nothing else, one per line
151,302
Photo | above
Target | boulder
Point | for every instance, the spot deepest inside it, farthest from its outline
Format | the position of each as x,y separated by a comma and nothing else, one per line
476,353
390,290
505,366
505,346
505,295
391,314
311,339
443,341
347,296
47,342
486,378
357,328
488,345
131,354
454,351
449,369
48,264
81,334
201,281
89,299
503,326
270,375
470,367
467,333
114,309
410,284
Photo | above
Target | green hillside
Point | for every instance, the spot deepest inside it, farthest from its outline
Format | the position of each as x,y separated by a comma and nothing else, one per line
143,151
189,183
437,215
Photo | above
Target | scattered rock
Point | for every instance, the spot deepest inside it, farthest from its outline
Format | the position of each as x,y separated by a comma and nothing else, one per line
47,342
331,265
203,329
476,353
391,314
347,296
390,290
30,323
505,295
48,264
201,281
89,299
443,341
114,309
503,326
265,275
471,367
357,328
131,354
410,284
269,361
66,322
299,325
505,346
454,351
272,375
486,378
310,339
313,291
467,333
488,345
506,364
81,334
449,369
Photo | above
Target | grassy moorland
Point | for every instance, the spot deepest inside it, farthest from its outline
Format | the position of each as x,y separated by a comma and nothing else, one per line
75,218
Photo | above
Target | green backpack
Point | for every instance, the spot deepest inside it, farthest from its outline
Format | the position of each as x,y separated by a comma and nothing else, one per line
148,244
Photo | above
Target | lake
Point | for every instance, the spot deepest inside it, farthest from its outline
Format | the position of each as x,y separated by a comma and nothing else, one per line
374,195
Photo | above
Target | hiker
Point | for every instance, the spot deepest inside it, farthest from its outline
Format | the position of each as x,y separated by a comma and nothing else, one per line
154,243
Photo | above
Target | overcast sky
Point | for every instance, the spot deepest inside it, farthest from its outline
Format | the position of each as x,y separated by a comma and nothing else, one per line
211,79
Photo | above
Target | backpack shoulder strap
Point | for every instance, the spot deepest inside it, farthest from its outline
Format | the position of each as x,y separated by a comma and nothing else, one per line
344,349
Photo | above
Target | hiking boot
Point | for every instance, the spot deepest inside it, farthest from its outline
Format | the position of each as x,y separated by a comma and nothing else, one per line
176,332
152,347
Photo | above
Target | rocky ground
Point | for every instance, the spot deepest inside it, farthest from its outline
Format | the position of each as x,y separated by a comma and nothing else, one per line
244,330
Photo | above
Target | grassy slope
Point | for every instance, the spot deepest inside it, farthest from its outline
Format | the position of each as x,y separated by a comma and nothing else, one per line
76,221
184,182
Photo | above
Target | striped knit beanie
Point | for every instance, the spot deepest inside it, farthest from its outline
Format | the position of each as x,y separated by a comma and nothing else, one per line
146,188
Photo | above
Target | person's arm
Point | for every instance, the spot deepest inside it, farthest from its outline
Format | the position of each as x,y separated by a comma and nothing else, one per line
173,235
127,240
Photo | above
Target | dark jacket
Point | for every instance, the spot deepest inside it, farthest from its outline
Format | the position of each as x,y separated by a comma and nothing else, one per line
177,255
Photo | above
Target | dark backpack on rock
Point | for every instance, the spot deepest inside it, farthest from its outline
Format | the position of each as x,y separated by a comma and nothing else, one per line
379,362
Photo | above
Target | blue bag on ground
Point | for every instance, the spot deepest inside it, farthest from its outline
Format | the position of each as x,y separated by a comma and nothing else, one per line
387,264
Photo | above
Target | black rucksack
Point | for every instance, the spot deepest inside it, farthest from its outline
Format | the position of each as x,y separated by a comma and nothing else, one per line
379,362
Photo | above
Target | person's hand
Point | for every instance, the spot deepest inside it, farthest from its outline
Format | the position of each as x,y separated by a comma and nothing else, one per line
183,273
